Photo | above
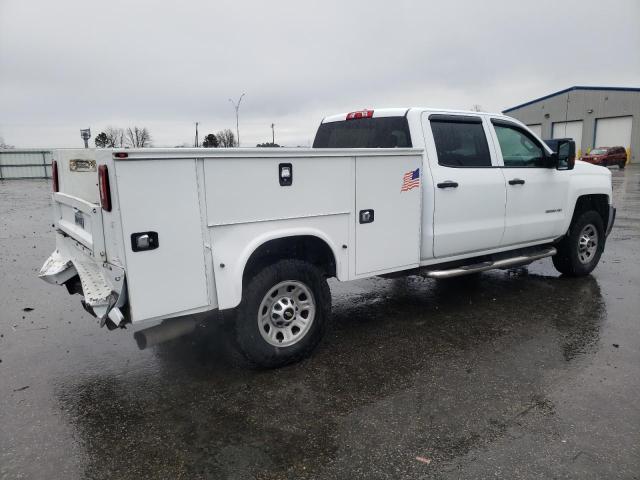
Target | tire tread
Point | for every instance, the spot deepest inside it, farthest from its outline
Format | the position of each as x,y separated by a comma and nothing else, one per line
566,260
255,350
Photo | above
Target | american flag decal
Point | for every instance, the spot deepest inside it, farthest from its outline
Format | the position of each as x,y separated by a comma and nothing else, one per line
411,180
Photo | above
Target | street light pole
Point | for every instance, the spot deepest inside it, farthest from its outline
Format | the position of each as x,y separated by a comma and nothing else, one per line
273,134
237,107
85,134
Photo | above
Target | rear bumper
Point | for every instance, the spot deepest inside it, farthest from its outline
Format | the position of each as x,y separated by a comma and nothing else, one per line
612,218
102,284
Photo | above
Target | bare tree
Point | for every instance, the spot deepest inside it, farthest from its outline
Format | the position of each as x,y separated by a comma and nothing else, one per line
226,138
137,137
5,145
115,137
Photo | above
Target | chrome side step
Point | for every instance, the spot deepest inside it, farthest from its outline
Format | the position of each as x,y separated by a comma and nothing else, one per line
481,267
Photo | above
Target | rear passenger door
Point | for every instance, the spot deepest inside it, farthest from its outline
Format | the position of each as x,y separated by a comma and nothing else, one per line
469,188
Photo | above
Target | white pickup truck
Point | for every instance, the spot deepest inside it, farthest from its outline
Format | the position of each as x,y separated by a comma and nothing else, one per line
151,236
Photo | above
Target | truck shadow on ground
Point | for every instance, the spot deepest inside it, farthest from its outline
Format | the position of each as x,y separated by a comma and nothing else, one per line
442,367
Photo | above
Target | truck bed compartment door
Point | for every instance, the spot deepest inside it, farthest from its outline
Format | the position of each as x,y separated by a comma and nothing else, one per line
388,212
159,198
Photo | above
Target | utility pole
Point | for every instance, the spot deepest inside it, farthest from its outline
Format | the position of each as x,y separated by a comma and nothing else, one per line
237,107
196,143
273,134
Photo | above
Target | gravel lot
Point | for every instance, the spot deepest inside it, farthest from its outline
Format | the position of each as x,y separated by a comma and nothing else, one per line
510,374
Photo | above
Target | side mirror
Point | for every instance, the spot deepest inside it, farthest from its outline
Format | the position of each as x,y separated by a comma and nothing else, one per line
564,153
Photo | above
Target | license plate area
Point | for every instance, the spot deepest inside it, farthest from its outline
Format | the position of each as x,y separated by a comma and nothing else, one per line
79,219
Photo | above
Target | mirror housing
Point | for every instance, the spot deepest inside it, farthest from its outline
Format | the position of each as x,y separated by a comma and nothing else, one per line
564,153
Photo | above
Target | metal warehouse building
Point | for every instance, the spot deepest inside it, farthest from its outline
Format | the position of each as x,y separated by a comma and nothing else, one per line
592,116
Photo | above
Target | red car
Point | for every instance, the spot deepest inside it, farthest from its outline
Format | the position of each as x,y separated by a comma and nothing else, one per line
606,156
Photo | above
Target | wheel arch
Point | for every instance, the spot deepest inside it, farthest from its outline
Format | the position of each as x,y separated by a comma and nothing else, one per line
301,243
307,247
591,201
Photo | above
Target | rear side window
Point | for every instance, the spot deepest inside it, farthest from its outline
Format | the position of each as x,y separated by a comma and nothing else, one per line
382,132
461,144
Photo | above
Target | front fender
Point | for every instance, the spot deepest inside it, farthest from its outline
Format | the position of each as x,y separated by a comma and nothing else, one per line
586,179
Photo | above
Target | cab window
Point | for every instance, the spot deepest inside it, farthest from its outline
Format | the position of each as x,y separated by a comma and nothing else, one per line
518,148
378,132
460,141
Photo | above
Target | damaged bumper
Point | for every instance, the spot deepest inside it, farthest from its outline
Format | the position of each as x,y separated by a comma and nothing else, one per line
102,288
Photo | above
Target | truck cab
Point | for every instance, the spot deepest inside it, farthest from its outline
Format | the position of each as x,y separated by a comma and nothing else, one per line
491,184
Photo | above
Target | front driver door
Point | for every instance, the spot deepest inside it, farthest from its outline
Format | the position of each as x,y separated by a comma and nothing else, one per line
536,194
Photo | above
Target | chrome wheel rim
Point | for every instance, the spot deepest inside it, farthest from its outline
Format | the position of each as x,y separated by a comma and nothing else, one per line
587,243
286,313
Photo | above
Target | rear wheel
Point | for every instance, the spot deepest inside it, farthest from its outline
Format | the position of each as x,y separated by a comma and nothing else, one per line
622,164
580,250
283,313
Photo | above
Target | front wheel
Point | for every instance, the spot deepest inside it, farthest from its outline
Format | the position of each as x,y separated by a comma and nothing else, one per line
580,250
283,313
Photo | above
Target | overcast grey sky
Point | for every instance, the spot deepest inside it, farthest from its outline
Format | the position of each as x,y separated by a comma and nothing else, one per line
66,64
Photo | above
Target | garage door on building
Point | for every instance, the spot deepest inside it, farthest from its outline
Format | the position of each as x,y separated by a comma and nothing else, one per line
536,128
571,130
613,132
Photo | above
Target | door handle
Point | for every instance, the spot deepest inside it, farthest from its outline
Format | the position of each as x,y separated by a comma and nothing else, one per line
516,181
367,216
448,184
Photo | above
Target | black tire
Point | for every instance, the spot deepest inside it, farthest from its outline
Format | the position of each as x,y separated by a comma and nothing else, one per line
622,164
567,260
256,349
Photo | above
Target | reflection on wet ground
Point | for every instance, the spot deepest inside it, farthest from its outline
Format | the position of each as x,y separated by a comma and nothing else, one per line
513,374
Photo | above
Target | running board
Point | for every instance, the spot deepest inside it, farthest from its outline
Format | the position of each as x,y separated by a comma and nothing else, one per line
481,267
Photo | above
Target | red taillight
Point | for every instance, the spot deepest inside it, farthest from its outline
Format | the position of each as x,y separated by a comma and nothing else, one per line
105,191
121,155
360,114
54,176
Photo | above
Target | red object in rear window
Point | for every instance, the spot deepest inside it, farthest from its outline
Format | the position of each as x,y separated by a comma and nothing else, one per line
105,191
360,114
54,176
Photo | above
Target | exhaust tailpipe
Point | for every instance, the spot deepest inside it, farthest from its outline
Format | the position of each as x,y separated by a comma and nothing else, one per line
167,330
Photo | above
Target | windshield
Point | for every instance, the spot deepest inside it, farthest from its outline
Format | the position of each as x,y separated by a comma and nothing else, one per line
598,151
382,132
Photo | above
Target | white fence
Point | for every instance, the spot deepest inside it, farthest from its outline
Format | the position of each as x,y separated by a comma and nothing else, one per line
25,163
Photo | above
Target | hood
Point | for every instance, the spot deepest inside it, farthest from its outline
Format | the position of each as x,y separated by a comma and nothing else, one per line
591,169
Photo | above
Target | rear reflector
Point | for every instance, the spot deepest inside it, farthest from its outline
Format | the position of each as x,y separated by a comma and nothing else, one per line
360,114
54,176
105,191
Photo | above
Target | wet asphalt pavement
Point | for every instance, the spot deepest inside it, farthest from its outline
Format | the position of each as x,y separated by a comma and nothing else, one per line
508,374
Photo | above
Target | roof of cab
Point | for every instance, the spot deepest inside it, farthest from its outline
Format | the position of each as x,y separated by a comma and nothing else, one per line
401,112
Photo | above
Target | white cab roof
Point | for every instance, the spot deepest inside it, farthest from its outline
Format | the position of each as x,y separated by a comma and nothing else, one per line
401,112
